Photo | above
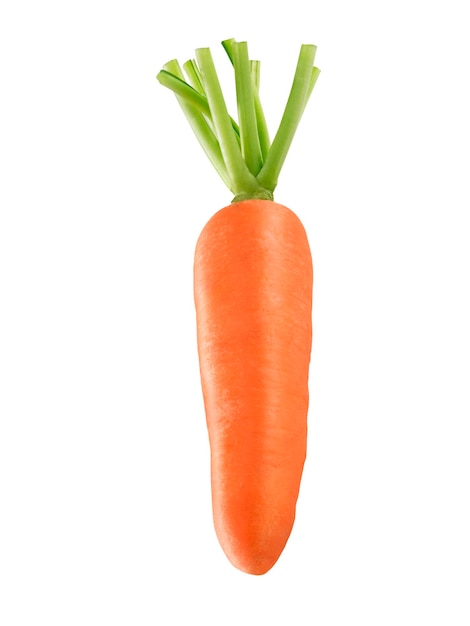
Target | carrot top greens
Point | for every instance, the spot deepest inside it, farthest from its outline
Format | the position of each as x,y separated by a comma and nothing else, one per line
242,153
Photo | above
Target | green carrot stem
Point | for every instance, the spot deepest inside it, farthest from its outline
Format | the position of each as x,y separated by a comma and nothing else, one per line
263,132
313,79
181,88
194,75
268,177
227,46
251,149
199,124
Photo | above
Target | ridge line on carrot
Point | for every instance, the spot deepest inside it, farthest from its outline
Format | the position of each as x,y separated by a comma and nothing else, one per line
253,281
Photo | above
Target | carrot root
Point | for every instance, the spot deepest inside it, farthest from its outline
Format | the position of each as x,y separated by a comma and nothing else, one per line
253,280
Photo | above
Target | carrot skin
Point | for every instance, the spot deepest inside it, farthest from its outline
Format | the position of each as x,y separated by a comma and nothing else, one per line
253,279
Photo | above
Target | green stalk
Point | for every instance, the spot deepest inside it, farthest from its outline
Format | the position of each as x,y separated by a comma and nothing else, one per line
200,126
227,46
295,106
251,149
182,89
313,79
194,75
255,67
263,132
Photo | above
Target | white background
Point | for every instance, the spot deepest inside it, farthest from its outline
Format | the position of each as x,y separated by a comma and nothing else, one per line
104,460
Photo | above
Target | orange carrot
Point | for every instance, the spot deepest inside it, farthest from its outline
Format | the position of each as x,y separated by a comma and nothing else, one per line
253,293
253,279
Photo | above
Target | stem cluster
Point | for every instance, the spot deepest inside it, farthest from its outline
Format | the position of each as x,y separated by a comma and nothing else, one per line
241,152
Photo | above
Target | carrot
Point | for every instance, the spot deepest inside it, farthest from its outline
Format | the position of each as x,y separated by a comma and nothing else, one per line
253,280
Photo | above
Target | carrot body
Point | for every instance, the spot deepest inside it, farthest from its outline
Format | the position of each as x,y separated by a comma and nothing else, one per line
253,281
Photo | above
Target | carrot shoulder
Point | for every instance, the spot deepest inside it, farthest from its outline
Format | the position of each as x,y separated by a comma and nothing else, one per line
253,280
